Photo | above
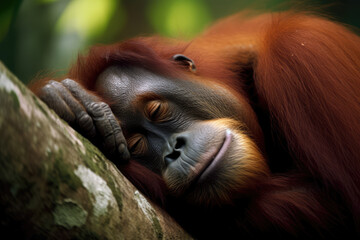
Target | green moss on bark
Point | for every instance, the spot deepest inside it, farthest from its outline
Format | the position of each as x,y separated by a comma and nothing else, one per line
69,214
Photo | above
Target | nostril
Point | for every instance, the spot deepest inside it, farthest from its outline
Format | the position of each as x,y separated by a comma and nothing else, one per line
176,146
180,142
172,157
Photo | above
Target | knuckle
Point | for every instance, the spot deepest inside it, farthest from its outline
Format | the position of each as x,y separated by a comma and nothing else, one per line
68,81
47,88
85,122
48,92
95,110
103,105
70,84
94,106
51,82
55,85
99,106
84,119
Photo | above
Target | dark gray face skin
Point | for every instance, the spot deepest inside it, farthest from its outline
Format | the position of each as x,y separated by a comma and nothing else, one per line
189,103
196,134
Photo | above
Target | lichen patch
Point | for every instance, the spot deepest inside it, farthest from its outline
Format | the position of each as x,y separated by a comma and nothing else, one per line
144,205
98,188
149,212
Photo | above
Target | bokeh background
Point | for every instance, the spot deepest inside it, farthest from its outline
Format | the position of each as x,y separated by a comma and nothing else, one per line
39,37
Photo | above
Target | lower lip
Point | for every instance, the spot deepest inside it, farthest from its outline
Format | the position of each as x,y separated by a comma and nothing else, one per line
218,157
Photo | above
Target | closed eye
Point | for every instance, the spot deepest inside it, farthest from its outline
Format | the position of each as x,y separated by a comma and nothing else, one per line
137,144
157,111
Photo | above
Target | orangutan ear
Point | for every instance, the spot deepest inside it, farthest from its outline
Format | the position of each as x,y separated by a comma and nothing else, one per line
185,61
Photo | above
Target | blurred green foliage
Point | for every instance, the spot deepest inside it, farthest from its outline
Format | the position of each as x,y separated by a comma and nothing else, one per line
39,37
179,18
86,18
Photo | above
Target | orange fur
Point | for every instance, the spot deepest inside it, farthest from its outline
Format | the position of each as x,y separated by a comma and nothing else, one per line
301,75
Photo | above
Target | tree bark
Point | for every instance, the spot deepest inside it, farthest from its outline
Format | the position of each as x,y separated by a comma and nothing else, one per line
56,185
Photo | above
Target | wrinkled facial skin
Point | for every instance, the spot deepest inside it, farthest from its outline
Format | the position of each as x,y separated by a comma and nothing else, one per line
198,136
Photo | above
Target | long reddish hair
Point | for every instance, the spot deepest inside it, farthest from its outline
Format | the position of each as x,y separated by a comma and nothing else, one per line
308,75
301,73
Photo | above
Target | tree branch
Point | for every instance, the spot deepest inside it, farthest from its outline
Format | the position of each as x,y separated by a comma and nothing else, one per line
56,185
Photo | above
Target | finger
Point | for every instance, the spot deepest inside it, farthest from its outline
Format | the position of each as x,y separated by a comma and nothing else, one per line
104,120
109,130
120,140
79,93
52,98
83,120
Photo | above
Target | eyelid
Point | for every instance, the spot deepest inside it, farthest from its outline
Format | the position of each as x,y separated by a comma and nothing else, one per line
153,108
137,144
157,111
